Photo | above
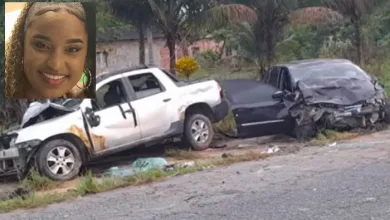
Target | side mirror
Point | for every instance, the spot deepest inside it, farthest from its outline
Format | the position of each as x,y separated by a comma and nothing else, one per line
278,95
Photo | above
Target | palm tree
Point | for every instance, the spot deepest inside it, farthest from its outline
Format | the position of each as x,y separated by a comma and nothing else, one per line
258,42
354,10
174,16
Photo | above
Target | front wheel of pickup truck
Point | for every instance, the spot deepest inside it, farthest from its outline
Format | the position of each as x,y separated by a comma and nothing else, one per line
59,160
198,131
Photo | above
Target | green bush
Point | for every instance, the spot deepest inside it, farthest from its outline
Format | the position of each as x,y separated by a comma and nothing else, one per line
210,55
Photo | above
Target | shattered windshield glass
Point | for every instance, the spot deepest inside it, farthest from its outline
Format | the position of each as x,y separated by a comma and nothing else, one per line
329,70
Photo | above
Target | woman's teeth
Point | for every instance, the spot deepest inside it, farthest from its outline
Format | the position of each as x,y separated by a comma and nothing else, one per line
53,77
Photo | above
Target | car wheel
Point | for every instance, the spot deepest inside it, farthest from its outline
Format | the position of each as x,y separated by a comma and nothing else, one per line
59,160
305,132
198,131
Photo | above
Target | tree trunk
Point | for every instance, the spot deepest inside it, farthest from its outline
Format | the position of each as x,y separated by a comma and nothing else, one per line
222,50
171,42
358,41
149,35
270,47
141,31
184,48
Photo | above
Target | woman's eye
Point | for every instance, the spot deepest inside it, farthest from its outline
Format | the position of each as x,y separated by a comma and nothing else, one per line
73,50
41,45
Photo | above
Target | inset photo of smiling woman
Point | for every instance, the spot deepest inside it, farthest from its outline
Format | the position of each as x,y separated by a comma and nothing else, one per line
50,50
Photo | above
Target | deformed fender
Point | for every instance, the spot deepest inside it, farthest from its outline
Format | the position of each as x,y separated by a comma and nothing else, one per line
97,140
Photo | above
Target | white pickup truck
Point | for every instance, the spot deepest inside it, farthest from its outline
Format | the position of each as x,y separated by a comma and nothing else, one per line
133,107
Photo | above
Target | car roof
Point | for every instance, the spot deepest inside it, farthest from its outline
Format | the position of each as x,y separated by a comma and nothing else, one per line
313,62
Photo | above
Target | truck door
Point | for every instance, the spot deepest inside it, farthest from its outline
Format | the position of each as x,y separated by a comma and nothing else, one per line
152,102
112,120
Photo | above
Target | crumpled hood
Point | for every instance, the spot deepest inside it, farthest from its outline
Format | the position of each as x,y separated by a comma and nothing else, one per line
339,91
48,110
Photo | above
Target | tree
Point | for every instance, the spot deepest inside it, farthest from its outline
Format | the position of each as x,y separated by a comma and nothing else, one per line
258,42
355,11
140,14
174,16
260,39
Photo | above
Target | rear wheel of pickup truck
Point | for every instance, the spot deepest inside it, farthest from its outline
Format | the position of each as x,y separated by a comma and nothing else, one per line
198,131
59,160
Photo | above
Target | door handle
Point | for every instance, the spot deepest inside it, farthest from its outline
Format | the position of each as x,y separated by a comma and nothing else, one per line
167,100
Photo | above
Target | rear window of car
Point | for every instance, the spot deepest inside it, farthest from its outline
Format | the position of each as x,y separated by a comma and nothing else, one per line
329,70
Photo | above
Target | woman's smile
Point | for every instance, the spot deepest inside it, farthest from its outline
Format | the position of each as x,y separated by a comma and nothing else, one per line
53,79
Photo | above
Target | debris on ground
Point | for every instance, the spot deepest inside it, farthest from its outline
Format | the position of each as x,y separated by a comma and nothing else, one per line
139,165
187,164
332,144
273,149
116,171
144,164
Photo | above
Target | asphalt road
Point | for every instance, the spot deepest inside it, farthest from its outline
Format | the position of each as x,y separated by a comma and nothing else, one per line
343,182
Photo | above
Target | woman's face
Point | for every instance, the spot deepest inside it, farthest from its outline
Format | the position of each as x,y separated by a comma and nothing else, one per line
55,50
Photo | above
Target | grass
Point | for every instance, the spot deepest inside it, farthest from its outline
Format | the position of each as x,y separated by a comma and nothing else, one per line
328,136
91,185
37,182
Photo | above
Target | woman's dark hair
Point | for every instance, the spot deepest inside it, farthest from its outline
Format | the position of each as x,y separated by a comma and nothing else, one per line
15,79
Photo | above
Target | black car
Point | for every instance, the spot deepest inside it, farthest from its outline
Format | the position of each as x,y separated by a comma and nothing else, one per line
304,96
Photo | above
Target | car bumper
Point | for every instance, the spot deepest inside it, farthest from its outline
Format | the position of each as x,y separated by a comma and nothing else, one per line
11,153
7,158
221,110
359,117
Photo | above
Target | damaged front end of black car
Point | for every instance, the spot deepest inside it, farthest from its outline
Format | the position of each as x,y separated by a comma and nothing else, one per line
339,104
305,97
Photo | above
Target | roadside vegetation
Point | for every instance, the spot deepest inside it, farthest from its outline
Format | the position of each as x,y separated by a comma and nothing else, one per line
41,189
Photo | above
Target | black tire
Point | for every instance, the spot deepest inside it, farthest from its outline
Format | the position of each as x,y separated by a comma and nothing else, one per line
68,148
305,132
189,138
386,108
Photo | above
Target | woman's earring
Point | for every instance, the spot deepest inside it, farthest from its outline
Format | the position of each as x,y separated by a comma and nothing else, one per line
89,80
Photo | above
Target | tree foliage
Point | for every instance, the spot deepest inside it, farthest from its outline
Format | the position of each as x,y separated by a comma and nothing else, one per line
175,16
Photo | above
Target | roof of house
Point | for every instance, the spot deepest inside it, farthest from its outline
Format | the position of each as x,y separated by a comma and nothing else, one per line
124,33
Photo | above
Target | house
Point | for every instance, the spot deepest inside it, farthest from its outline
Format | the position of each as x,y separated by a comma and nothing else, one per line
119,48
